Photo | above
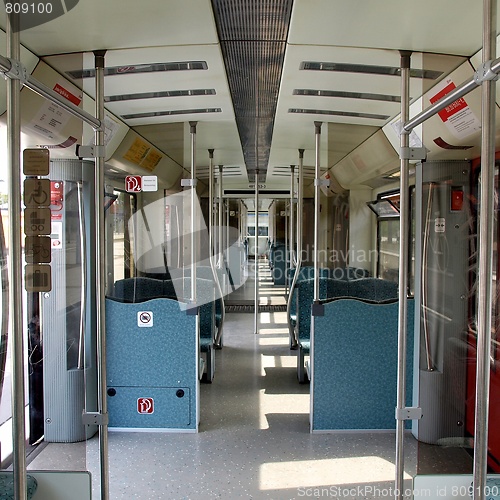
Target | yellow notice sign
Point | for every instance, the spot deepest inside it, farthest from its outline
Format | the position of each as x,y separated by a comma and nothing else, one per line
138,151
36,161
142,154
152,159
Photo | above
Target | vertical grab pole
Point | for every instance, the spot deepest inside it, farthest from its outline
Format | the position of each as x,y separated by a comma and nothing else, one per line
293,340
220,248
193,207
300,208
256,316
15,258
486,228
317,126
226,243
403,274
287,242
211,251
292,218
101,275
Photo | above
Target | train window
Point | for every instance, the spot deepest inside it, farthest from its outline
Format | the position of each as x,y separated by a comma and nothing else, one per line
118,215
386,207
251,230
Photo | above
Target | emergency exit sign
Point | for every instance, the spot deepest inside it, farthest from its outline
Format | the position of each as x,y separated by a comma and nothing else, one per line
138,183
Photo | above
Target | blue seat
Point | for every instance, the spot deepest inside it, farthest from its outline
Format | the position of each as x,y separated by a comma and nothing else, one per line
137,289
206,273
355,357
205,297
373,289
7,486
305,272
152,360
305,299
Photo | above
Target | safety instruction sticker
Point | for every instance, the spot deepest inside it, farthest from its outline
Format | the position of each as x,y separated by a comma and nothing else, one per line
457,116
145,319
51,119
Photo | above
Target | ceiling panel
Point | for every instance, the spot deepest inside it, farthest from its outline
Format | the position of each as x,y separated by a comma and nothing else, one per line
112,24
424,26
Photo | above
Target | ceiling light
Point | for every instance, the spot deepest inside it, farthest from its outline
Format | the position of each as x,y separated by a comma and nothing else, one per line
140,68
338,113
173,112
368,69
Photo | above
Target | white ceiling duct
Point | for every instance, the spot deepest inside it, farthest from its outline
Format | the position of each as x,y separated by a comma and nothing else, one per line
46,124
455,132
137,156
373,158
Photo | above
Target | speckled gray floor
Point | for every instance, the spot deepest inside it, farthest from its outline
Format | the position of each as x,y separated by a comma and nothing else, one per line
254,439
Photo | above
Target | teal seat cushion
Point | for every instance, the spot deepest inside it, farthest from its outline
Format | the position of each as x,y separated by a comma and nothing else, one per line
7,486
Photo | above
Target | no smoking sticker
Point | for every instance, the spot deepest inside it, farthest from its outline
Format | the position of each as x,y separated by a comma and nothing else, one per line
145,319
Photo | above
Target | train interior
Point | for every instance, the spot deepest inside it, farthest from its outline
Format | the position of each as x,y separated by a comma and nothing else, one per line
219,116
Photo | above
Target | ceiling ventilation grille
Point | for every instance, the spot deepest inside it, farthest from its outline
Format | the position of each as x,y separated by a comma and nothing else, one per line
253,38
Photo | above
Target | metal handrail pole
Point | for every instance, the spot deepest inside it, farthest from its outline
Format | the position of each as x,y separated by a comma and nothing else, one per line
256,251
293,340
486,229
300,206
101,278
403,276
193,208
211,205
220,247
292,217
317,126
15,265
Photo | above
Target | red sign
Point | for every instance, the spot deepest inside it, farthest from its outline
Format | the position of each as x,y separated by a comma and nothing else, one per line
133,183
67,94
56,199
145,405
452,108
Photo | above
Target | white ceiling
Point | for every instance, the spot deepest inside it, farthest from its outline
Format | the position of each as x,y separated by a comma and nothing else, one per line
339,31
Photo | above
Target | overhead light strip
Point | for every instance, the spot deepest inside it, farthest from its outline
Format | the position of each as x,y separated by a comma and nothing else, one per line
348,95
349,114
153,114
140,68
157,95
368,69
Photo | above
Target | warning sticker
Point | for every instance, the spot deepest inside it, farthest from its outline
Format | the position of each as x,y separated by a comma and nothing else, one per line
457,116
145,319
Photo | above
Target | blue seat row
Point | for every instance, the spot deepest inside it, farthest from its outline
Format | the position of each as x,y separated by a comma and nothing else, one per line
354,364
373,289
152,365
141,289
307,272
